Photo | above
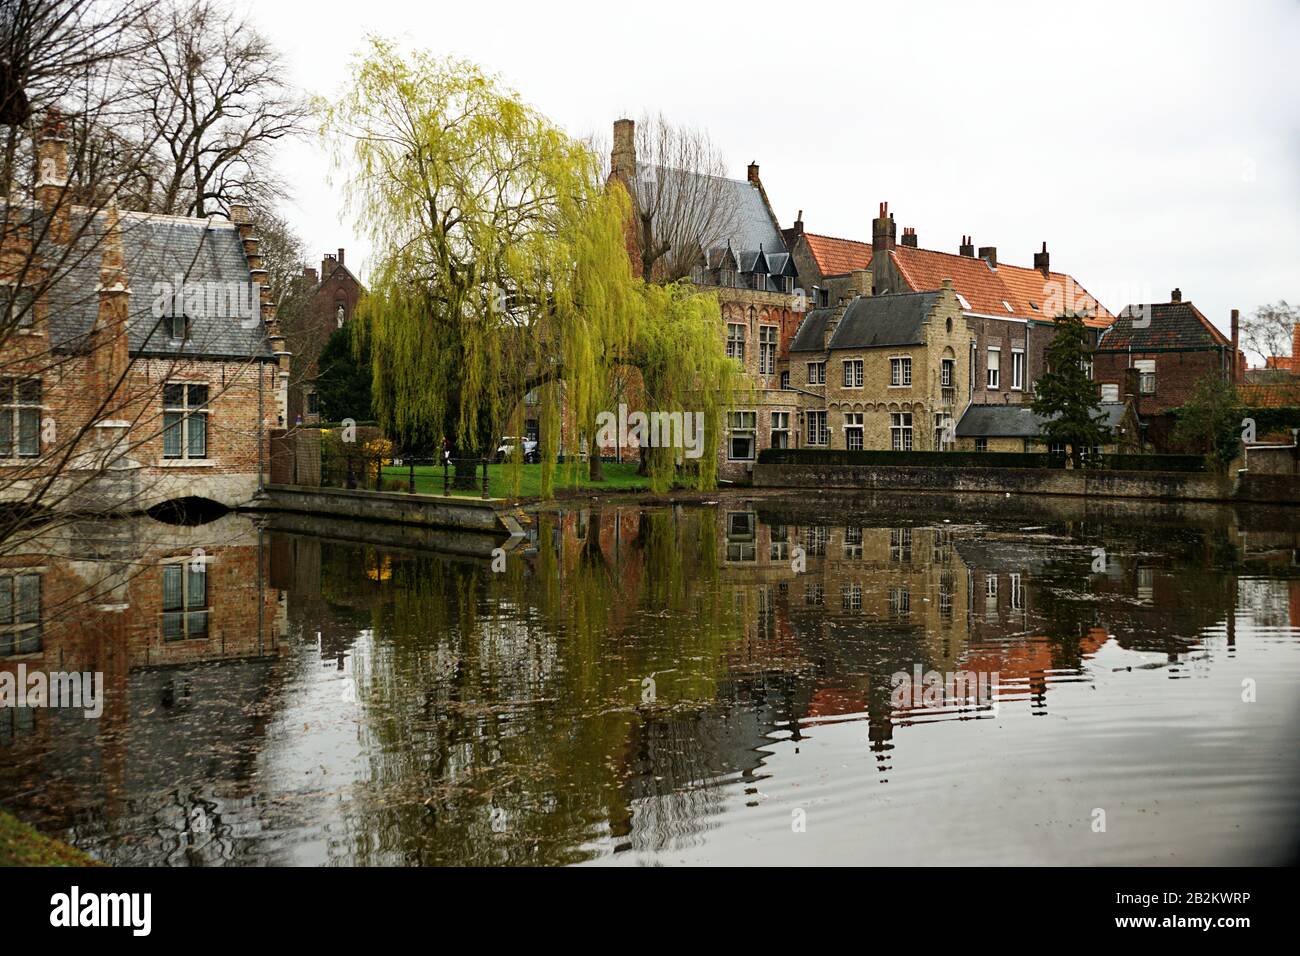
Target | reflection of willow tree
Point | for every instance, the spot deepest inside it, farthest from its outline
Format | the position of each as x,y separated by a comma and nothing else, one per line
515,748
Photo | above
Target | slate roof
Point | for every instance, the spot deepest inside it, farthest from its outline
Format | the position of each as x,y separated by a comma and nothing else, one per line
206,255
749,227
1019,421
1173,325
810,336
888,320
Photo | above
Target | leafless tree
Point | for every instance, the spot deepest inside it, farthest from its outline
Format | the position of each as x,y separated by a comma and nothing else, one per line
1270,330
685,204
214,90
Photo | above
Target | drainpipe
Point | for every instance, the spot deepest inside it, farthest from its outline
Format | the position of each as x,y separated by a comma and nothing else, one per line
260,423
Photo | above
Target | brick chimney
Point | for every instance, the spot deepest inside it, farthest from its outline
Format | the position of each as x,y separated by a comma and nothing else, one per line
861,283
909,236
1236,343
966,248
111,355
622,158
1295,347
883,230
1042,262
753,174
340,257
990,255
1176,295
309,273
52,176
327,264
798,225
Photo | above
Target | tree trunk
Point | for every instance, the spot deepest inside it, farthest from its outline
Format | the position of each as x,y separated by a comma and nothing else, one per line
597,472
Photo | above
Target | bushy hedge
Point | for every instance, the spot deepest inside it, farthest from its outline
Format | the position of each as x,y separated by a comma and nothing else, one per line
931,459
972,459
1153,462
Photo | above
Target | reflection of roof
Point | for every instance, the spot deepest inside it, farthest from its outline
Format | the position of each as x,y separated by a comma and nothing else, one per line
1172,325
1019,421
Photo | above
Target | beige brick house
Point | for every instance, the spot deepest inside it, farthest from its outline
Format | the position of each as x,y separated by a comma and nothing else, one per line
887,371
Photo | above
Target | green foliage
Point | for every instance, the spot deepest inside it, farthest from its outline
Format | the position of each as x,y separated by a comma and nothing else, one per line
1211,420
501,265
343,381
1065,395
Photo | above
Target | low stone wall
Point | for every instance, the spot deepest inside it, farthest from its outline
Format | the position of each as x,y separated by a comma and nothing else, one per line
429,510
1021,481
491,516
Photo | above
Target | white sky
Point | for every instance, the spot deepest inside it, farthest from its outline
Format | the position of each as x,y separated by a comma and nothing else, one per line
1152,145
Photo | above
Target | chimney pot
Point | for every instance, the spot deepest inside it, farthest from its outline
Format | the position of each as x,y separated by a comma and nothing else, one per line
883,230
1042,262
340,257
909,236
1176,295
967,248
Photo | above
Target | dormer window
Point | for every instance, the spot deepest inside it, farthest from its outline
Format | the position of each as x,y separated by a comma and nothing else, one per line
178,326
1007,306
759,280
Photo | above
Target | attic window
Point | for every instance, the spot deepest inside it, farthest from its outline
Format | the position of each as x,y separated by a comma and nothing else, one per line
962,299
1033,305
1008,306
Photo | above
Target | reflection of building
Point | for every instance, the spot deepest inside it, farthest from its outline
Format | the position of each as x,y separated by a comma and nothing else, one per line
150,607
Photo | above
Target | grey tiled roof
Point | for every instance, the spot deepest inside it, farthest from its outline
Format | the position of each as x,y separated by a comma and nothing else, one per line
1019,421
160,252
811,333
749,224
887,320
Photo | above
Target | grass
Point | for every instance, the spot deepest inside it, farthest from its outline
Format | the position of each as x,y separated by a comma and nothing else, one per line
20,845
619,476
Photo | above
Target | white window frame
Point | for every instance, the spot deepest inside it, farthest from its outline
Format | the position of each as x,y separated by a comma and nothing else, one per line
818,428
853,372
900,431
816,373
993,368
900,371
736,341
188,413
767,339
742,424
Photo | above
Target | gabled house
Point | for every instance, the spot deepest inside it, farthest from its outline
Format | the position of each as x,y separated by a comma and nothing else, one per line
883,372
1157,353
1009,309
1015,428
756,280
329,301
145,364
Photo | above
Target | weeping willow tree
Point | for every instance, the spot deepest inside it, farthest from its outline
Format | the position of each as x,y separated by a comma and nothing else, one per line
501,266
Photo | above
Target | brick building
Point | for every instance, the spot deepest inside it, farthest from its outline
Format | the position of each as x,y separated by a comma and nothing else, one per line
1157,353
886,372
328,302
754,276
1008,309
145,365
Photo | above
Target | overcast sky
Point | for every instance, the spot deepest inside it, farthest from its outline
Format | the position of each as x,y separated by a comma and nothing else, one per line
1152,145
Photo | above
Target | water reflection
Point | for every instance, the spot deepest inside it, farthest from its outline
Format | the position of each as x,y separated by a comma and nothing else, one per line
656,685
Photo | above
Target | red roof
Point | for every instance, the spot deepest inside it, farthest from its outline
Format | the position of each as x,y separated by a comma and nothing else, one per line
1007,291
838,256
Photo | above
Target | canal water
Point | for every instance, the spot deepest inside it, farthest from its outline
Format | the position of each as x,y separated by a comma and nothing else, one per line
911,681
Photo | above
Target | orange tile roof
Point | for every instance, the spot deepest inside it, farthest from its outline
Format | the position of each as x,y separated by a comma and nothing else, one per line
1270,394
1005,292
838,256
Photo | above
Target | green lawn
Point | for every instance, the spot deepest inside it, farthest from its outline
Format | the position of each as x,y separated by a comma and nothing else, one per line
619,476
20,845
